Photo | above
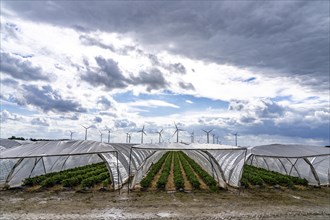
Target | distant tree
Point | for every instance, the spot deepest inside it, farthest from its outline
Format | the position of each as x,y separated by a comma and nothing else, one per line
16,138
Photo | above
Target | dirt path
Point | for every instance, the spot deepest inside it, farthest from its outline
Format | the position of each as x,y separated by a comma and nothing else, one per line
170,186
203,186
153,185
268,204
187,185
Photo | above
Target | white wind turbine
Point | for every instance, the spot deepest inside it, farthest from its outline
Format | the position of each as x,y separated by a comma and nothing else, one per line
142,132
177,132
160,135
86,128
207,135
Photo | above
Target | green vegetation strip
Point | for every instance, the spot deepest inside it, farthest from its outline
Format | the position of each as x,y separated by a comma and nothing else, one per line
70,177
189,172
258,176
146,181
178,178
161,183
208,180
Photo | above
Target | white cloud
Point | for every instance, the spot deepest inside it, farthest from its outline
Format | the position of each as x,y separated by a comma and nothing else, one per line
189,101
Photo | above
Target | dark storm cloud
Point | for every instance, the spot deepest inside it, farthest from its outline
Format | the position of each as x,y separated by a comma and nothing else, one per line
89,41
153,80
98,119
21,68
177,68
290,36
104,102
48,99
108,74
187,86
40,122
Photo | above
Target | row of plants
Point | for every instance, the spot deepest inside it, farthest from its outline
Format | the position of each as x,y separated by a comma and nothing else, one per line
259,176
192,178
86,176
75,180
69,172
208,180
161,183
146,181
178,177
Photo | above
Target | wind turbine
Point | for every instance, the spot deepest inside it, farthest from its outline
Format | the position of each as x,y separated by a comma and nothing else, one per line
213,136
177,132
217,139
192,135
236,134
86,128
109,131
71,133
128,138
160,134
142,132
208,135
101,134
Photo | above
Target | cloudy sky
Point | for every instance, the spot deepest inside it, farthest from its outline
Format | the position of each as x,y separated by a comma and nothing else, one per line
257,68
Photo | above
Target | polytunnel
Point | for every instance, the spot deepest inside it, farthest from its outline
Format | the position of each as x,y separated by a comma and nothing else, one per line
309,162
51,156
224,163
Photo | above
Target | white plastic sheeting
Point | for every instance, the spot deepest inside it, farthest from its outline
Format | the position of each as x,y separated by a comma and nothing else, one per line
6,143
224,163
51,156
309,162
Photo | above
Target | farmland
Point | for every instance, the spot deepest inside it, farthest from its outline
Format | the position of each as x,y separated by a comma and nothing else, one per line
174,171
185,174
80,177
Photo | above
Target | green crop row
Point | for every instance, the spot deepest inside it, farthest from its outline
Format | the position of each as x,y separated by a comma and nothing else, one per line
161,183
91,181
70,172
189,172
76,180
208,180
178,178
259,176
146,181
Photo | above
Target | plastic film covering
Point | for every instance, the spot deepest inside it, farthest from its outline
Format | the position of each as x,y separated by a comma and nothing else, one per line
51,156
125,156
224,163
309,162
6,143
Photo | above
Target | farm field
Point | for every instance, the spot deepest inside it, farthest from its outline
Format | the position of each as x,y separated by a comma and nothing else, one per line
200,197
177,171
89,176
174,171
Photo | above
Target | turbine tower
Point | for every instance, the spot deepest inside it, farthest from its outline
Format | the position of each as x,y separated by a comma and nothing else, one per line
109,131
86,128
142,132
177,132
207,135
160,135
217,139
236,134
128,138
71,133
213,136
192,135
101,135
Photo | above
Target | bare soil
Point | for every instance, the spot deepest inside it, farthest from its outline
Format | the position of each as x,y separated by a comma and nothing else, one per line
187,185
263,203
170,186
